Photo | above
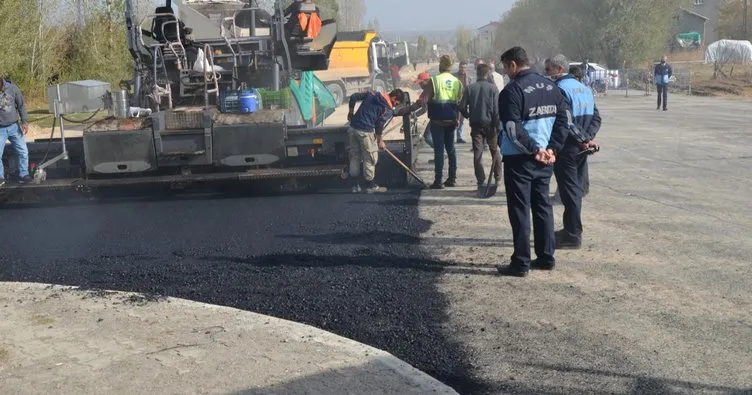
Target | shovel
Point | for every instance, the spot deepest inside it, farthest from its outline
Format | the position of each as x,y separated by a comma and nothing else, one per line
404,166
489,190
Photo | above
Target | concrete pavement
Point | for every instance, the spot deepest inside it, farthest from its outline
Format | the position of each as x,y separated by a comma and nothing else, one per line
66,341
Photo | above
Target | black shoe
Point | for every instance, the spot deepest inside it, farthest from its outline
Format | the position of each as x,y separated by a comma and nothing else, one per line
565,242
25,180
537,265
437,185
511,271
460,141
665,109
450,183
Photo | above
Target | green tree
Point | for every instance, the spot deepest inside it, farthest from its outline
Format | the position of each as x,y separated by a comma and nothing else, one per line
422,50
610,31
731,21
464,43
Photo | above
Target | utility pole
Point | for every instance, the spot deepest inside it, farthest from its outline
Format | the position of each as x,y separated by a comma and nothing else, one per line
744,20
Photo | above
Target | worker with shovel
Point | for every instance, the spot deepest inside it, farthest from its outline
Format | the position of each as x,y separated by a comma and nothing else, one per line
479,104
366,127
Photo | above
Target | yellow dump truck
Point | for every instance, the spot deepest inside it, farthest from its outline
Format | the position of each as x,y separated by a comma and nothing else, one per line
351,66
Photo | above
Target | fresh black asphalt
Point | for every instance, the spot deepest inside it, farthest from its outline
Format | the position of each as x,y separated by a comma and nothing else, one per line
349,264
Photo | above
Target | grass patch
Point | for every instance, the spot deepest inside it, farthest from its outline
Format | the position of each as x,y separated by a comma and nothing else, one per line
42,320
4,354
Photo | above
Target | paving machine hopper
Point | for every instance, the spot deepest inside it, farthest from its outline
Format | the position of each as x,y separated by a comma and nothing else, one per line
222,91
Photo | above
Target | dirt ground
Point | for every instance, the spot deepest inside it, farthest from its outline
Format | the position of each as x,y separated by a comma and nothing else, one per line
658,299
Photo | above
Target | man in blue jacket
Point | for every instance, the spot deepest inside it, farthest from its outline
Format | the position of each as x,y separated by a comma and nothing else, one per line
535,123
571,166
366,127
663,73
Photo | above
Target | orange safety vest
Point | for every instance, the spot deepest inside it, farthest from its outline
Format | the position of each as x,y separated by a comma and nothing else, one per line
310,24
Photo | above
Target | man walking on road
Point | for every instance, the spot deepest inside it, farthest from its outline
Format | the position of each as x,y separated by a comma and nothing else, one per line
571,165
465,81
13,109
366,127
535,121
663,73
480,106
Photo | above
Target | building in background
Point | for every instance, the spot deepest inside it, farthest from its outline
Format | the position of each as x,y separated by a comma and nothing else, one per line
701,14
485,37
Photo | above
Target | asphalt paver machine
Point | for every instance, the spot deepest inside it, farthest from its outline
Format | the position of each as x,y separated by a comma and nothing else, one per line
182,118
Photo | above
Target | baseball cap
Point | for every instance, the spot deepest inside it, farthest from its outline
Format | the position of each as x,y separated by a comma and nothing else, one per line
422,77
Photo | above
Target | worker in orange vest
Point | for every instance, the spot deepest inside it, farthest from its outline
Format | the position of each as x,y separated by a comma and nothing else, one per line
304,19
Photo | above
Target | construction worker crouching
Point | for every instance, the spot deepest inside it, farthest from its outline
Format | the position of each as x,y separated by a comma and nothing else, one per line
365,131
571,165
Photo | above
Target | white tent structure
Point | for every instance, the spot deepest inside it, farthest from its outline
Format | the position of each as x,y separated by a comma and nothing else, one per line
729,51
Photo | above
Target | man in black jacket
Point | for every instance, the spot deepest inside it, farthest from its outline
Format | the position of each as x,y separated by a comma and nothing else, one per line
479,104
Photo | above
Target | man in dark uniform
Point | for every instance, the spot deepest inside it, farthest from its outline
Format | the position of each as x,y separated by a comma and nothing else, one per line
571,166
663,73
535,123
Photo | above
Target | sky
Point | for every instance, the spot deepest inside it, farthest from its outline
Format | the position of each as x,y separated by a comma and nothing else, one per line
417,15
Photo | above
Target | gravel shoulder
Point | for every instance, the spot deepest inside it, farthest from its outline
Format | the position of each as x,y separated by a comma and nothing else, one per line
658,299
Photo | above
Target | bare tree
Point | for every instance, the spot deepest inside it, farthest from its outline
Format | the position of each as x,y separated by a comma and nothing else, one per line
351,14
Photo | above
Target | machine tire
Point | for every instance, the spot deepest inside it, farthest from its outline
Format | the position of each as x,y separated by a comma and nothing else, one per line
380,85
338,91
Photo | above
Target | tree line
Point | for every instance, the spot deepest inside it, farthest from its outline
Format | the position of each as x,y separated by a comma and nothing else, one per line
615,32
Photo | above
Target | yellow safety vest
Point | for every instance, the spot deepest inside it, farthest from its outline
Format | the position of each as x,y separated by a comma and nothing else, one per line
447,92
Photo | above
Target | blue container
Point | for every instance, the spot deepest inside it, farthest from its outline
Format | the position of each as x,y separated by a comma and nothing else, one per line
248,101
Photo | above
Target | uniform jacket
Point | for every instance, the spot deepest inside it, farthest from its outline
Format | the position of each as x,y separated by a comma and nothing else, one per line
372,114
479,104
663,73
534,114
586,121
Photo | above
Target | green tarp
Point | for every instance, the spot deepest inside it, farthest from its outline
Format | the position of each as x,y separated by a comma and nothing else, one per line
689,39
311,89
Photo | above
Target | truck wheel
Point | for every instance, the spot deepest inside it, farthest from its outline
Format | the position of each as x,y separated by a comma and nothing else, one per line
338,91
379,86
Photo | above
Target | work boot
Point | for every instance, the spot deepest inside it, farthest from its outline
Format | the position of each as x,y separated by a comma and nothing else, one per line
450,183
373,188
566,242
437,185
25,180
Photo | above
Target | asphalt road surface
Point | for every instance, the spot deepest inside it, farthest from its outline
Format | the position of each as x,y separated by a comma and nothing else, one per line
658,301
